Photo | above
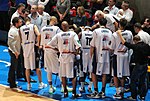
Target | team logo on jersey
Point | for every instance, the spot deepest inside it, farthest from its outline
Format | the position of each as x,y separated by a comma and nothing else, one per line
47,36
66,41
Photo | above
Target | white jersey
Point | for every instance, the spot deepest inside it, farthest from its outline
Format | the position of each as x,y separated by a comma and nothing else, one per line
119,47
123,53
66,42
47,33
28,39
45,17
85,42
86,39
102,40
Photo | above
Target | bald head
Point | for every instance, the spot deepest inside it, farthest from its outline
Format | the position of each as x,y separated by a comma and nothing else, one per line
41,7
65,26
99,14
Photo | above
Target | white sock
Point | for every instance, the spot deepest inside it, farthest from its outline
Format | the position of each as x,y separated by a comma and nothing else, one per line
117,90
122,89
49,76
90,84
82,84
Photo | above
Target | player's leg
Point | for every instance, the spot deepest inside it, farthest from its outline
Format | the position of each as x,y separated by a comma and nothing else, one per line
116,80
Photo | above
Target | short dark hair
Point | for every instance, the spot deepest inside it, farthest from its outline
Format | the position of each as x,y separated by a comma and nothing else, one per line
103,21
123,22
115,1
138,25
136,38
15,20
25,10
126,1
20,5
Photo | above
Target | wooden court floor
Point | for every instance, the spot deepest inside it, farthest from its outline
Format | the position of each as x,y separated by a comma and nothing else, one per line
7,94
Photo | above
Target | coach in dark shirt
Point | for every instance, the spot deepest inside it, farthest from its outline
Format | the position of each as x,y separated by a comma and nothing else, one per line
141,52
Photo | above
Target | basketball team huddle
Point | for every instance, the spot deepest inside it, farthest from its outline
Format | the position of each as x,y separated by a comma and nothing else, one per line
93,53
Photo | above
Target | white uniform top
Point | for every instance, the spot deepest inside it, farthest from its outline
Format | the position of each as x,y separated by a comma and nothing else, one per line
66,42
45,17
110,22
120,48
28,39
47,33
86,39
114,10
37,21
145,37
102,40
14,40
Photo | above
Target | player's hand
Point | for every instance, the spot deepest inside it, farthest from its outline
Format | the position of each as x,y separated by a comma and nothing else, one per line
40,47
61,17
16,54
121,13
37,44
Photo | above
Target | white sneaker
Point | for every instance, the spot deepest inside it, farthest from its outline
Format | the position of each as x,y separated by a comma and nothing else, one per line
28,86
68,88
52,90
42,85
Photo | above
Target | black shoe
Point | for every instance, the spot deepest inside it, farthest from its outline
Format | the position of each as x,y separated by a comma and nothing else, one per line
131,98
93,95
65,94
118,96
17,88
13,86
74,95
33,81
141,98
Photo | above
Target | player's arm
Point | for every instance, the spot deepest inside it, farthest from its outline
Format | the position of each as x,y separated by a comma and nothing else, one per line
53,43
42,39
92,44
38,35
120,35
77,43
116,25
91,51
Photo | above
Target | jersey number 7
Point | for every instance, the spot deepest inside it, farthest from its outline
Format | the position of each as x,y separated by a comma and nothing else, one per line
27,33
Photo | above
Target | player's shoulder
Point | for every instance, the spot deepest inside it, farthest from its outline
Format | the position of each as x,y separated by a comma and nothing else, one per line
56,27
128,32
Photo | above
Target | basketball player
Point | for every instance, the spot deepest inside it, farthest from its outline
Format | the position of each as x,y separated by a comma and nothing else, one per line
68,45
28,35
50,55
103,42
121,59
86,38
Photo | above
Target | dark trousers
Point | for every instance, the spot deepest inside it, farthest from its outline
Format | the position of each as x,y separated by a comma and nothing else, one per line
37,57
139,74
20,68
12,70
